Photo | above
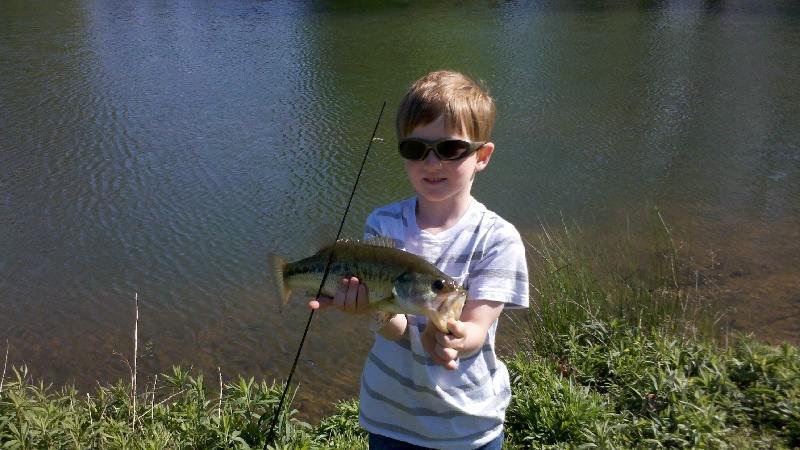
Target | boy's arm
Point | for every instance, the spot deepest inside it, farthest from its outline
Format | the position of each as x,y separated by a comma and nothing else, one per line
395,328
466,336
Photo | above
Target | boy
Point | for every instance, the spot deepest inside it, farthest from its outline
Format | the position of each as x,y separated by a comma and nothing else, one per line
421,388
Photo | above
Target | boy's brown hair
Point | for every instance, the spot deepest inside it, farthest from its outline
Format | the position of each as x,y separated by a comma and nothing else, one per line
452,95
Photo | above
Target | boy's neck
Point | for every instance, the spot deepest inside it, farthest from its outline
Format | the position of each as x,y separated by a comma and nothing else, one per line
436,217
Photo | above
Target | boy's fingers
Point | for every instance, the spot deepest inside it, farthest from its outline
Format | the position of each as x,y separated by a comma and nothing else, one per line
447,357
362,299
351,297
456,327
341,294
446,353
457,333
348,293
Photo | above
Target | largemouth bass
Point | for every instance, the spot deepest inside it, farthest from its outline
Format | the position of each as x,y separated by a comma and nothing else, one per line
397,281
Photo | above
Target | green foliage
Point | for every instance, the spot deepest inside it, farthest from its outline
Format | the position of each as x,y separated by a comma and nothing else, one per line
618,387
341,429
614,386
180,412
768,379
547,410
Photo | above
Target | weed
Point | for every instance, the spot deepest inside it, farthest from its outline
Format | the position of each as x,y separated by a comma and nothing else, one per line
178,412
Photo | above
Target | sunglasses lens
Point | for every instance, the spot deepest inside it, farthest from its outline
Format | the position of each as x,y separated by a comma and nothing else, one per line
410,149
446,150
452,148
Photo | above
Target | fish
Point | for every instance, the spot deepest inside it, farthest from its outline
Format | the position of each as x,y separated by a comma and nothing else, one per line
398,282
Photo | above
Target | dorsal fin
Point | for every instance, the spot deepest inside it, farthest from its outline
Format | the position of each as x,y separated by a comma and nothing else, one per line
323,237
381,241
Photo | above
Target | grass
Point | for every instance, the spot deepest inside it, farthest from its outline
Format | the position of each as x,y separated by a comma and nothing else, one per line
178,412
614,387
618,387
615,354
574,282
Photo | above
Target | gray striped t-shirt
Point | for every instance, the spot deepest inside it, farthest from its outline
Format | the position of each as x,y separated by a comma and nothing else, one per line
404,394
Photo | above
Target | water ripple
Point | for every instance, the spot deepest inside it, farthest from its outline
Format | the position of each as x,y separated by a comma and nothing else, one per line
165,150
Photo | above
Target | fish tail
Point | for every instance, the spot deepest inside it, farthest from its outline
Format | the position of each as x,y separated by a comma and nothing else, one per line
277,266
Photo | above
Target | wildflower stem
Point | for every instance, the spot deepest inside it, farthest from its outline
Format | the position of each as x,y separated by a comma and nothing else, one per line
5,365
135,358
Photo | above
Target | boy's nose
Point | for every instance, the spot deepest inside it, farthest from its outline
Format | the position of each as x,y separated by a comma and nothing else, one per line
432,160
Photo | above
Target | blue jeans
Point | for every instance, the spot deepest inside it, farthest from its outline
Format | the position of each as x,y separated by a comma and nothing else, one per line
378,442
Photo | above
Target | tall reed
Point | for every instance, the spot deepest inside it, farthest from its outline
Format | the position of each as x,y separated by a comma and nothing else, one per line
573,282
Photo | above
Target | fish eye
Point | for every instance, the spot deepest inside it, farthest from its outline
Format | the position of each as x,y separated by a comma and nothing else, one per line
438,285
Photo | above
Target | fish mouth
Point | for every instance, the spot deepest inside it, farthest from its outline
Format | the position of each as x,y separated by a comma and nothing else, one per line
453,303
450,306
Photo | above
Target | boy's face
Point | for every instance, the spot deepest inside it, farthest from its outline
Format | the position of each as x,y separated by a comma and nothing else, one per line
444,181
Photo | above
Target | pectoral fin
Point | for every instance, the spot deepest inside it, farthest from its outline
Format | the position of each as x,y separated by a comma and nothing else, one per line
387,303
378,319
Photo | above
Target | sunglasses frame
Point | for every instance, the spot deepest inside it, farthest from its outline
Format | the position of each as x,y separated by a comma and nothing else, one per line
472,147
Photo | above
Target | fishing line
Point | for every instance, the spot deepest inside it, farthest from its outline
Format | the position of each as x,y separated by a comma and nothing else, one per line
321,284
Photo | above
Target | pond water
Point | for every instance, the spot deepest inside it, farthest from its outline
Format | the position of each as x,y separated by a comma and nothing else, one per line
164,149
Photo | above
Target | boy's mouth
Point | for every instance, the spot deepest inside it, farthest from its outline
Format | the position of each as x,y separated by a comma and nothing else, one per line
434,180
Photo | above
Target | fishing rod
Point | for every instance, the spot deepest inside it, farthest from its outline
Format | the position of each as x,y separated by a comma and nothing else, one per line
277,415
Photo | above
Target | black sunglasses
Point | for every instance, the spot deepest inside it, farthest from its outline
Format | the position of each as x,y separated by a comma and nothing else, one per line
446,150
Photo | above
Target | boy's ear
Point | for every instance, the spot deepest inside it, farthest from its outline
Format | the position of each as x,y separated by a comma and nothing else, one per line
484,154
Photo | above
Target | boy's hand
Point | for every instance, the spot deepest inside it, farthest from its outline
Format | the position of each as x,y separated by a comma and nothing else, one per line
466,336
445,348
351,298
